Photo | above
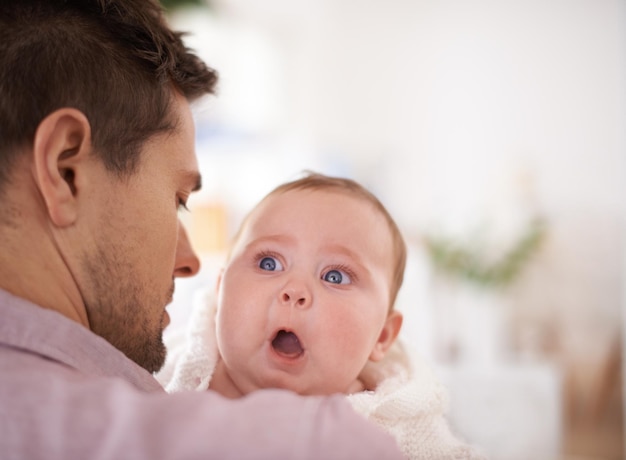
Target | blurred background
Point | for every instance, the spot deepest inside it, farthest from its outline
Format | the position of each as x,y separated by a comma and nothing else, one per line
494,132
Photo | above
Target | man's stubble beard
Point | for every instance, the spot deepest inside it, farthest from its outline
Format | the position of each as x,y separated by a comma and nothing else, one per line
119,309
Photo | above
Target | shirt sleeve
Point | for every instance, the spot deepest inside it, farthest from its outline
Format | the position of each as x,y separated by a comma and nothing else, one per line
70,416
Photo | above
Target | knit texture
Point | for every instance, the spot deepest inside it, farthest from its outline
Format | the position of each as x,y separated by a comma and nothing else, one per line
412,409
192,352
409,402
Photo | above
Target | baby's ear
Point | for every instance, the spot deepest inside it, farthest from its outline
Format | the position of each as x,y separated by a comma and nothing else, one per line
387,336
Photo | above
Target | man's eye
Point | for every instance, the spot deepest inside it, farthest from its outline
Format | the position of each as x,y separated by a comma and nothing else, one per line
270,264
336,277
182,205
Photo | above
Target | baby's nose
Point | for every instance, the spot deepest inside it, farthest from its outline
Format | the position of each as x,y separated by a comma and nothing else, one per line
298,296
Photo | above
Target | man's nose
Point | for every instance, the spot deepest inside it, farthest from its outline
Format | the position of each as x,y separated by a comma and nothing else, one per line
187,262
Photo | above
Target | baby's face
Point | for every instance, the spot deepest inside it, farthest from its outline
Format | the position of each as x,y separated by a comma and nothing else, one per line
305,296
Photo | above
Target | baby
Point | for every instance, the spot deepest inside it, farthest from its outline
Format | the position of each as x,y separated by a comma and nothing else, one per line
305,303
305,298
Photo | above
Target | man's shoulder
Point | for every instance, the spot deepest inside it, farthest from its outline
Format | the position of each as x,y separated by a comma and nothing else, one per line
37,335
72,415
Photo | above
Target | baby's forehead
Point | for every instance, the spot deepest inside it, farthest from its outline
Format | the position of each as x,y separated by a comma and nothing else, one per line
331,210
330,201
307,196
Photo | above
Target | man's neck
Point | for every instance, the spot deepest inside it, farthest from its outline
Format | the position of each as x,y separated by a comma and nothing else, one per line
32,268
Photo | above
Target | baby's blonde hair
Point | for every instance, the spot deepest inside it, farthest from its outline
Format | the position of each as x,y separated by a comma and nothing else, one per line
316,181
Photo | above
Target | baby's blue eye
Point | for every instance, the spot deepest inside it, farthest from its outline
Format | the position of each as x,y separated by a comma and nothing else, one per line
270,264
336,277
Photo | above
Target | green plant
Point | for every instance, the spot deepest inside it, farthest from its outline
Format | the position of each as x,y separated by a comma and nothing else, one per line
469,263
171,5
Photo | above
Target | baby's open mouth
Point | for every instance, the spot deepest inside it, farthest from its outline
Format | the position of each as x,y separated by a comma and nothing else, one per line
287,344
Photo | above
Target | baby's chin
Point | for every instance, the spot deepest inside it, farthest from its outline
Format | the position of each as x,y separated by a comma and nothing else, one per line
310,390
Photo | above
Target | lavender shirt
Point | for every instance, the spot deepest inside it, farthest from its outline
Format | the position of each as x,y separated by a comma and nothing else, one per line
66,393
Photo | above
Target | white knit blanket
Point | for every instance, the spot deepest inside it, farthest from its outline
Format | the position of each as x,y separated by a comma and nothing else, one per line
410,404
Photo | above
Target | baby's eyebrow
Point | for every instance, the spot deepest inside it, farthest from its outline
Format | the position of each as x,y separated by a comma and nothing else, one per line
355,257
340,249
283,239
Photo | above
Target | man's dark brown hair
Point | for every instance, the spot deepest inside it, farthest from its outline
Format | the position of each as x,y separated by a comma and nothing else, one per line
117,61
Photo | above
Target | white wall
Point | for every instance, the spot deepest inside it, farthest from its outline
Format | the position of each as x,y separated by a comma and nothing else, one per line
456,114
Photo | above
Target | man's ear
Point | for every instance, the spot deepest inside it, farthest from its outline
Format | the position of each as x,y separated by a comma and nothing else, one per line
387,336
62,142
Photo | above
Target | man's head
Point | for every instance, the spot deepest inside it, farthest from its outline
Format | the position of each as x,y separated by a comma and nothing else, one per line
116,61
305,299
96,157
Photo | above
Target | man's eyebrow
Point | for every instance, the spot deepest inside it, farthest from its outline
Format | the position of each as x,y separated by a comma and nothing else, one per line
198,182
193,177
